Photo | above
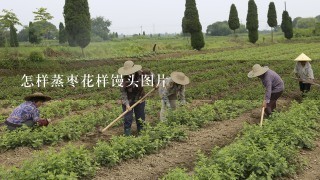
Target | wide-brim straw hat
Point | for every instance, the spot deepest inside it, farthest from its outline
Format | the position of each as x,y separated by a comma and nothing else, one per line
180,78
37,95
303,57
129,68
257,70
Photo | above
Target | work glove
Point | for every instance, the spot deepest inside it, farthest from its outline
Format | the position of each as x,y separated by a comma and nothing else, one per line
43,122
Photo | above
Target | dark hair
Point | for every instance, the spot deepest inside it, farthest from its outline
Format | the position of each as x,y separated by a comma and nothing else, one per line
37,99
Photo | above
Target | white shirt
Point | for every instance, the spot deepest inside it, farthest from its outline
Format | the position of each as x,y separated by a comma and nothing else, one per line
305,72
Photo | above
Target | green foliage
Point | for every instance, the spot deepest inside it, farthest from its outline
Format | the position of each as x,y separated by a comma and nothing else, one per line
13,37
42,15
63,36
253,36
34,38
2,37
36,56
190,21
197,40
286,25
252,21
272,15
9,18
264,153
222,29
177,174
234,22
100,27
77,22
23,35
305,23
70,163
272,18
122,148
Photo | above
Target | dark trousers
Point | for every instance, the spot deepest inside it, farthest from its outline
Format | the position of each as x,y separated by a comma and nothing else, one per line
304,87
138,113
273,103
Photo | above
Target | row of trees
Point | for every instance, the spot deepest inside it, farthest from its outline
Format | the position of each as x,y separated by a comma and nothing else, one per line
192,26
77,30
252,24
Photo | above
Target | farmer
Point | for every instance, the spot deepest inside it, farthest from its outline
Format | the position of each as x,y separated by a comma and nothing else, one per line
303,71
131,92
28,113
174,88
273,84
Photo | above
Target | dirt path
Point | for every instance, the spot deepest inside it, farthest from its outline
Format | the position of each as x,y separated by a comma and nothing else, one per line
311,171
181,154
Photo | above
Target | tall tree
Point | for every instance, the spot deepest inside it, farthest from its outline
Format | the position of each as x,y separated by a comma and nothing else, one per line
286,25
41,15
13,36
197,40
100,27
33,37
2,35
190,21
191,24
272,18
234,22
8,20
23,35
77,22
62,34
252,22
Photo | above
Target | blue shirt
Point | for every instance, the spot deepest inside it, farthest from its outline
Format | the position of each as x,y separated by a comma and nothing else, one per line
24,112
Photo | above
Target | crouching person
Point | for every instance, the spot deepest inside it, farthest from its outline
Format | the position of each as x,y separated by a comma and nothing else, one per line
173,89
28,113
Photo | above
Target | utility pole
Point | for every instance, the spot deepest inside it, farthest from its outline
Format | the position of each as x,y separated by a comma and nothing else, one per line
141,29
285,6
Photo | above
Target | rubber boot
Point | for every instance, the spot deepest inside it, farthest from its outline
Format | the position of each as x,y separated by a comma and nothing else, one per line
140,128
127,132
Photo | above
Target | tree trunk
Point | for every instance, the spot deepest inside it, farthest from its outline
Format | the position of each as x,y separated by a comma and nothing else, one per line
82,52
271,34
234,33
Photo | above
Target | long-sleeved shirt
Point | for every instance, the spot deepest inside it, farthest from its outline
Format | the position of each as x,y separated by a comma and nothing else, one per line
272,83
171,88
304,72
132,90
24,112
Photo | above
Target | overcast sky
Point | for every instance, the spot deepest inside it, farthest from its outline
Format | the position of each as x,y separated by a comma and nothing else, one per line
160,16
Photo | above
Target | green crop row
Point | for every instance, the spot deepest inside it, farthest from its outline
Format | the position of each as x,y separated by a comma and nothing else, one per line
69,128
262,153
119,148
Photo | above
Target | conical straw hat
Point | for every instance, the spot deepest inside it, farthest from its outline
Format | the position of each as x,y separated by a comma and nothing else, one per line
303,57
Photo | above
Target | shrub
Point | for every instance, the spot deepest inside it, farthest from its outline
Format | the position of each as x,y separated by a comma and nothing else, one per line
36,56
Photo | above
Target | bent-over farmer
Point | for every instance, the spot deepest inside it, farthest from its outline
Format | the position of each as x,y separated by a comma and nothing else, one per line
273,84
132,91
28,113
174,88
304,72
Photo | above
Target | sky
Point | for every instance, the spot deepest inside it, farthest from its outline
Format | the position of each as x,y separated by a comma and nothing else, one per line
160,16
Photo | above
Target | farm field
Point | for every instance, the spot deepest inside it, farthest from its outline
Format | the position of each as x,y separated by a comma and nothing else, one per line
223,110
